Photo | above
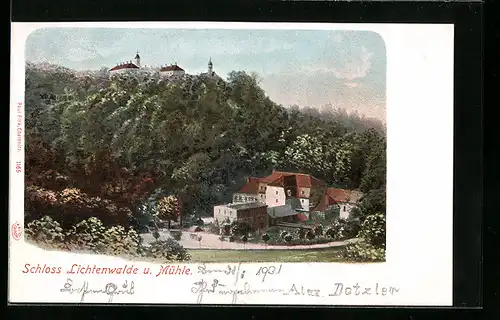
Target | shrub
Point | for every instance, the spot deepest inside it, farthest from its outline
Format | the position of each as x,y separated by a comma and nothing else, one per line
318,230
283,234
231,238
177,234
156,234
330,233
51,179
71,206
169,249
212,228
199,222
288,237
240,228
373,230
351,228
363,252
88,234
244,238
302,233
197,229
265,237
45,230
343,229
310,235
120,241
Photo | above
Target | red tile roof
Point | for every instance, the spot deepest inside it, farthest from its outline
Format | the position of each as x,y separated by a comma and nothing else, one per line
173,67
273,177
302,217
251,187
302,179
336,196
324,203
124,66
342,195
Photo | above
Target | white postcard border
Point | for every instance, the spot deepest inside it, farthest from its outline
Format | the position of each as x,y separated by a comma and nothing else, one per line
419,189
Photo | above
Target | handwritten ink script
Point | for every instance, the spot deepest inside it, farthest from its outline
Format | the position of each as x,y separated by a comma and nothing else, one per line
233,281
201,287
110,289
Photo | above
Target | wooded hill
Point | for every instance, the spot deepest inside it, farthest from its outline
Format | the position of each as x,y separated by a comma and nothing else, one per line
124,141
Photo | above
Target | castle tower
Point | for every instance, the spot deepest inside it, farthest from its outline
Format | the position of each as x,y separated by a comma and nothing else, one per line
137,59
210,67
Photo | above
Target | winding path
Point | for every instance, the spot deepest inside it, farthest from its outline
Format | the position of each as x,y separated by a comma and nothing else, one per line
211,242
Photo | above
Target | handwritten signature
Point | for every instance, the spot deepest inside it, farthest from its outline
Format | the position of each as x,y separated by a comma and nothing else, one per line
201,287
110,289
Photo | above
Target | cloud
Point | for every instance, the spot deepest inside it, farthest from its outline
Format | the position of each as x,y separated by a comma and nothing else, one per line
355,66
345,54
319,89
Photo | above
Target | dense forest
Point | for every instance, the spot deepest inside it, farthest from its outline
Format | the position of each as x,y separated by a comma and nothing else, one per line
111,146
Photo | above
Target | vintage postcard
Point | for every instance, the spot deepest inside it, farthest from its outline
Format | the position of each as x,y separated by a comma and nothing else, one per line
231,163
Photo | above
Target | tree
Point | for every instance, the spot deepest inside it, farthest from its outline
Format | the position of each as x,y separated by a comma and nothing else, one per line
156,234
221,238
318,229
302,233
199,238
330,232
265,238
244,239
374,201
168,209
310,235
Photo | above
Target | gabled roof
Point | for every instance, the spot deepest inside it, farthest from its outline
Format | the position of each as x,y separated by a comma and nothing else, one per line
343,196
301,179
128,65
173,67
252,186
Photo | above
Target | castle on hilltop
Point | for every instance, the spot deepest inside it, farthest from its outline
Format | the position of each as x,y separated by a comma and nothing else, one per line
172,70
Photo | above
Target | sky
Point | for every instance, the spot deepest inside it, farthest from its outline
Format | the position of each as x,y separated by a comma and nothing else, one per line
313,68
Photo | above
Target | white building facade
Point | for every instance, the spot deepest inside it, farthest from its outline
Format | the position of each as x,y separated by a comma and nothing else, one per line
275,196
224,213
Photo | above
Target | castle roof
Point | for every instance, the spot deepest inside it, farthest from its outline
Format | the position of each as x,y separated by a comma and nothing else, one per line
173,67
128,65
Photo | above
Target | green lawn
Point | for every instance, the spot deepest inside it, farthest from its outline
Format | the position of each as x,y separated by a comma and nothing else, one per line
313,255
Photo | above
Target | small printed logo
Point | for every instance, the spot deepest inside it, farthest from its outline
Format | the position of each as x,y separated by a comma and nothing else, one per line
17,231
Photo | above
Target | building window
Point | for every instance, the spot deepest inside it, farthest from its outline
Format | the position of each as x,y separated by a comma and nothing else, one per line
276,191
276,200
303,192
344,208
302,200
